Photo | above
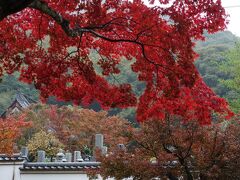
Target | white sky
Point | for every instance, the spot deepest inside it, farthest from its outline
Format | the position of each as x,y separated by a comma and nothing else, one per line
234,13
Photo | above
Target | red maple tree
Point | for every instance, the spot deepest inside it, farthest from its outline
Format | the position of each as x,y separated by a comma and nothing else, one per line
10,130
173,149
159,39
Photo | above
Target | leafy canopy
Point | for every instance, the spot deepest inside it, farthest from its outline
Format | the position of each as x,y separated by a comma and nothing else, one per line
74,127
231,68
44,141
160,39
10,130
171,149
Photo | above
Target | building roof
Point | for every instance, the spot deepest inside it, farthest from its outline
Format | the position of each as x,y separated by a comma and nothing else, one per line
12,158
60,166
20,101
24,100
49,166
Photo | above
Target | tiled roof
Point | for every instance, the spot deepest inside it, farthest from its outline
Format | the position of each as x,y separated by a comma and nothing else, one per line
13,158
23,100
63,166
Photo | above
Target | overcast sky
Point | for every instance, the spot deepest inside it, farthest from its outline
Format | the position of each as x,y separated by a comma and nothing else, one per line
234,12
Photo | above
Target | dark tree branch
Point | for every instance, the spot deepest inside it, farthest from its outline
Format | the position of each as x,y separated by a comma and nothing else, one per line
64,23
8,7
78,31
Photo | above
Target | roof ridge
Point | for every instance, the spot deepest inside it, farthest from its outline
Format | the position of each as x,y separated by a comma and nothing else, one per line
22,99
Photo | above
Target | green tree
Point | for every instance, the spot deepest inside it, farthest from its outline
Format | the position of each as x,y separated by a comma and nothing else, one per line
231,68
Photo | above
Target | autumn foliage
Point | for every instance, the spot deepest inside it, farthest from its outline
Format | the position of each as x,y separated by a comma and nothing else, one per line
172,149
46,142
50,43
75,128
10,130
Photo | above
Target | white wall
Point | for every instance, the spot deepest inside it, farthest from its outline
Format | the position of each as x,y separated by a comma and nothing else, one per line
54,177
10,171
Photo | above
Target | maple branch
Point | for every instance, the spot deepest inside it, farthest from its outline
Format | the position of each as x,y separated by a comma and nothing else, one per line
64,23
8,7
78,31
191,135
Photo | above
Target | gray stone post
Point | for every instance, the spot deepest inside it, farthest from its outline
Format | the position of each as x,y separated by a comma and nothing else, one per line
24,152
99,141
41,156
68,157
77,156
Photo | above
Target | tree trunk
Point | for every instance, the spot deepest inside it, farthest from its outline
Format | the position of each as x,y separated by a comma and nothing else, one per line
202,176
186,169
8,7
171,176
189,174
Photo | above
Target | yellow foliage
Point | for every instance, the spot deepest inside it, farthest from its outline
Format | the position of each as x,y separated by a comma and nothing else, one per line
44,141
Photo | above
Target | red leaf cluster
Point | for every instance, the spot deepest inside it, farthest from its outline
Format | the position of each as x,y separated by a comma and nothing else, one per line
160,39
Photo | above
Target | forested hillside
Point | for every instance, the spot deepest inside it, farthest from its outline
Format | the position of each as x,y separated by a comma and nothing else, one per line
211,54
